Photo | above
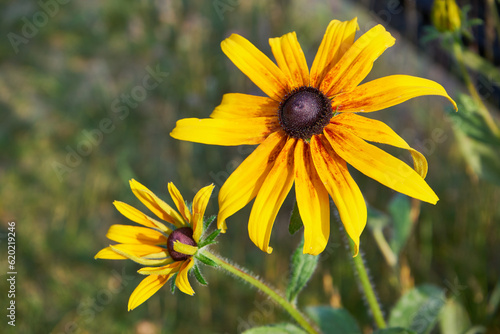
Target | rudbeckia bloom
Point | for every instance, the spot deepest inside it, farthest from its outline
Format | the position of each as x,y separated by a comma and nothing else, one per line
308,129
165,250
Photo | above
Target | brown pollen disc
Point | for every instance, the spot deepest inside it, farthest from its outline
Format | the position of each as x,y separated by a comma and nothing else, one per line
183,235
304,112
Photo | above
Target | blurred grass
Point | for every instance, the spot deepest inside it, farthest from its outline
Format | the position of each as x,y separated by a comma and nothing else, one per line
66,79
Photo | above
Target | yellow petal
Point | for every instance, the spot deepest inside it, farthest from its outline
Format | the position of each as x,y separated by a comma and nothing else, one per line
179,247
142,260
357,62
312,201
156,205
127,234
256,65
379,165
379,132
235,105
244,183
182,281
137,216
168,269
146,289
271,195
225,132
291,59
200,203
333,171
136,249
338,38
179,202
386,92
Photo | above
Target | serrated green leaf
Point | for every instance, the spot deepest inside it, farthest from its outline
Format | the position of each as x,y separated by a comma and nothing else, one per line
172,283
333,320
207,221
202,258
295,220
400,208
394,330
479,145
453,318
210,239
303,266
284,328
418,309
198,275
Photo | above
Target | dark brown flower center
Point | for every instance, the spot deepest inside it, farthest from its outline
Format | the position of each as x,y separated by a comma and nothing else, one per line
183,235
304,112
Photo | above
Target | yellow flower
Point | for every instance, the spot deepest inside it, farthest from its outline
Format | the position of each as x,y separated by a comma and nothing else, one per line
166,250
307,129
445,15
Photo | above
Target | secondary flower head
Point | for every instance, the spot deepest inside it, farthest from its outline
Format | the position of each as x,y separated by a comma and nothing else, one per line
167,251
307,129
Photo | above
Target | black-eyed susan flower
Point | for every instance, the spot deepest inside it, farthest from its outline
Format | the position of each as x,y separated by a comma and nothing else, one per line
308,129
167,251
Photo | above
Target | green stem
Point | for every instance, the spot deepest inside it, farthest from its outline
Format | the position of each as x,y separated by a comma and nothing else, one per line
458,52
299,317
359,265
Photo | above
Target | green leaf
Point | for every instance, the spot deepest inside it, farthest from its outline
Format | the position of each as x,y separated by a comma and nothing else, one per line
400,208
418,309
453,318
284,328
333,320
206,260
394,330
303,266
295,220
479,145
207,221
172,283
210,239
199,276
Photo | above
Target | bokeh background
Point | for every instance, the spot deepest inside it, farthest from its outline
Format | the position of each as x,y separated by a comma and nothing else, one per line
77,122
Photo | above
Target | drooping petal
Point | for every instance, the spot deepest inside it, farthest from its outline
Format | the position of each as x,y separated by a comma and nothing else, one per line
179,202
235,105
338,38
386,92
225,132
143,260
333,171
271,195
127,234
256,65
357,62
182,281
155,204
179,247
138,250
290,58
200,203
168,269
312,201
379,165
244,183
146,289
379,132
137,216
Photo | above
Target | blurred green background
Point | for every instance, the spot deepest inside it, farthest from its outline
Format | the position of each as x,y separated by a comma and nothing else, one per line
78,121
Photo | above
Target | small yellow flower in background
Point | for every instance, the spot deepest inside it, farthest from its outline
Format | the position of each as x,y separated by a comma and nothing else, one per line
445,15
308,129
166,251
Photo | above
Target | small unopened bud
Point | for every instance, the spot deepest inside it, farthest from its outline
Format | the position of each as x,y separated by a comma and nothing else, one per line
183,235
445,15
